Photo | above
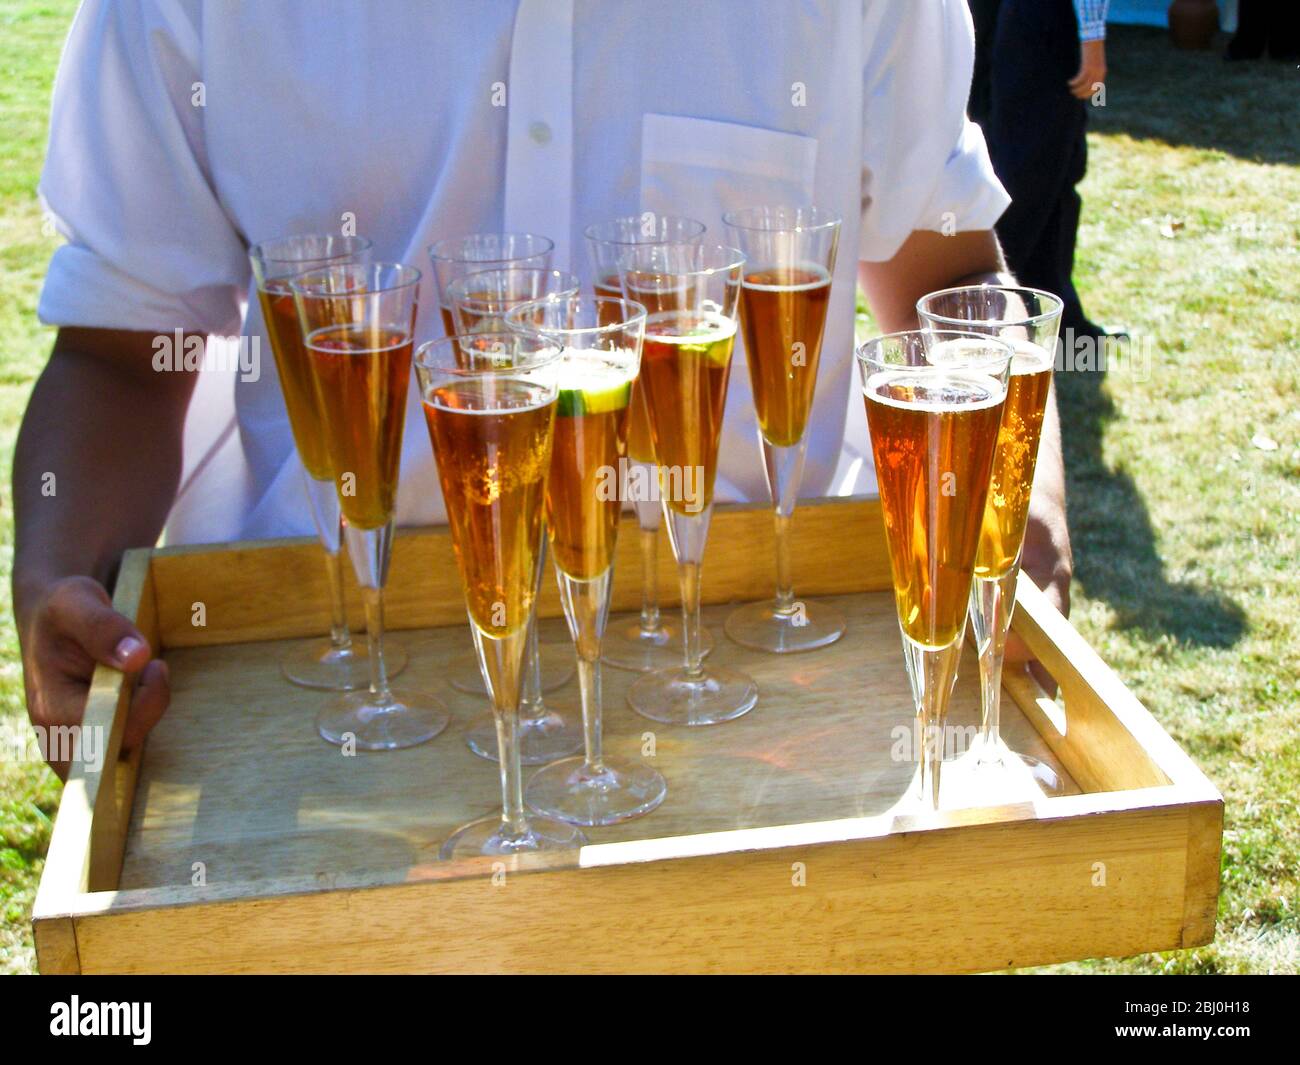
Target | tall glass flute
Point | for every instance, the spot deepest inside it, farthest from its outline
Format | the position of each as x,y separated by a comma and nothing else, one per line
602,351
692,293
789,262
648,642
336,663
358,321
456,257
934,402
479,303
545,737
1029,320
489,400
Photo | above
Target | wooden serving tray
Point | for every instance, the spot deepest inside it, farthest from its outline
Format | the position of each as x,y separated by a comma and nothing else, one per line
238,841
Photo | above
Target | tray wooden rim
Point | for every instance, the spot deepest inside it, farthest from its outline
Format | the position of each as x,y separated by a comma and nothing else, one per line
84,860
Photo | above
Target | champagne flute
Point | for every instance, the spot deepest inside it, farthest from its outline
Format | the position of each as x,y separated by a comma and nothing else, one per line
358,321
479,303
545,736
335,663
934,402
789,263
455,257
692,294
1029,320
602,339
489,400
647,642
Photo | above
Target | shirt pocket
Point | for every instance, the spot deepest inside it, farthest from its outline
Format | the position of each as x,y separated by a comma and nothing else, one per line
702,168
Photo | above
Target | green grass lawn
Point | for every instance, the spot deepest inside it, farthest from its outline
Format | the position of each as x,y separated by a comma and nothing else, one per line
31,35
1185,528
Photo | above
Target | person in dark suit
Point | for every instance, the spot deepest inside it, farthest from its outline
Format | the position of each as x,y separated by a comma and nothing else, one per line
1266,25
1038,64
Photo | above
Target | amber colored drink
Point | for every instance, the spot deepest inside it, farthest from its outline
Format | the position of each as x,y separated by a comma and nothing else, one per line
361,377
685,364
492,439
294,369
640,444
640,448
591,423
933,443
478,313
1007,508
783,314
609,287
481,312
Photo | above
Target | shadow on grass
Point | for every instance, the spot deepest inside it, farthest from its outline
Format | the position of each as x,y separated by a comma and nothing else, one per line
1248,109
1115,555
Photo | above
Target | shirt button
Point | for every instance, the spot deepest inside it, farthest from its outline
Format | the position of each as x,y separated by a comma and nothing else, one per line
540,133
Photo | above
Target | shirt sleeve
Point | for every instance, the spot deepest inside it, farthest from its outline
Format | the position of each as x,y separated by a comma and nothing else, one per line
925,164
1092,19
149,246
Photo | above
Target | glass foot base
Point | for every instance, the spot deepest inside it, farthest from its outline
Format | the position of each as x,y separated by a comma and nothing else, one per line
557,670
628,646
761,627
670,696
996,758
619,791
490,837
541,739
412,718
1044,774
319,665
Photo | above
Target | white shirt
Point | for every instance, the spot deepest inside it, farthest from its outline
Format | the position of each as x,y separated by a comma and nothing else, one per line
184,130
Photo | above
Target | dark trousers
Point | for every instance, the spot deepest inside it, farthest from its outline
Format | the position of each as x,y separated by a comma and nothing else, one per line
1026,53
984,13
1266,25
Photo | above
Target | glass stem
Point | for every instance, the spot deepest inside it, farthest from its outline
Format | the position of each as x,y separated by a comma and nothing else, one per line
586,608
689,573
931,760
992,601
503,662
532,707
513,819
517,693
531,704
932,671
374,600
370,551
589,686
649,581
783,467
990,695
330,527
340,636
649,514
784,576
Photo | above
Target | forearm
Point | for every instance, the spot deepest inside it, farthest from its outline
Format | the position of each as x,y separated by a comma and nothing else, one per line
96,468
927,262
1047,513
